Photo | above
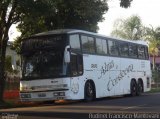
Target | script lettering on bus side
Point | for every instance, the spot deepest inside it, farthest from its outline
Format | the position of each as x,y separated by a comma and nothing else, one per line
105,68
123,73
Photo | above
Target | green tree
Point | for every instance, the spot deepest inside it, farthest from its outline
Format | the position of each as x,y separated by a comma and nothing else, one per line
14,11
8,65
153,37
36,16
130,28
125,3
74,14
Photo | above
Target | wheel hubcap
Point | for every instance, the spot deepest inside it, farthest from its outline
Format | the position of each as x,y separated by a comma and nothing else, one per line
90,90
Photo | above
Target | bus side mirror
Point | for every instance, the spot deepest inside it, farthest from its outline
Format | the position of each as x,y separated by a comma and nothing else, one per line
67,54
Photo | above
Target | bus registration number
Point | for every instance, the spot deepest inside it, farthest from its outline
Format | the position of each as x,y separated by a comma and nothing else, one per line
41,94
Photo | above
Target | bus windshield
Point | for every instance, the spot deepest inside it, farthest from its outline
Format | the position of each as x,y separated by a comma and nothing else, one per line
45,62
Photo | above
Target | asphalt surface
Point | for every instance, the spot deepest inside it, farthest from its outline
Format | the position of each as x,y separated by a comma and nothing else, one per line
141,107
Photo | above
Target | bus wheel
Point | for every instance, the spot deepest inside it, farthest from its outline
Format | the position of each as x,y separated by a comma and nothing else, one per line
133,88
89,91
139,87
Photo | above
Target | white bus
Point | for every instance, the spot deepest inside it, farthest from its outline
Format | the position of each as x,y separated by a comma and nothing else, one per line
74,64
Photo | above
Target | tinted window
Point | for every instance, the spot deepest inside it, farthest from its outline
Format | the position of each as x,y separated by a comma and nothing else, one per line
74,42
88,44
141,52
101,46
146,53
76,64
123,48
133,50
113,47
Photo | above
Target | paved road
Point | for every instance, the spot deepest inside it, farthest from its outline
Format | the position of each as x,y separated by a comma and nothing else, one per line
147,105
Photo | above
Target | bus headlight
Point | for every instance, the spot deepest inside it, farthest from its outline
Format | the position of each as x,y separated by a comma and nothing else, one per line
25,95
23,87
59,93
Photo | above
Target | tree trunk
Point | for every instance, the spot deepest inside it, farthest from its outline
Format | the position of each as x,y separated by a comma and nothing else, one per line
2,81
2,67
6,22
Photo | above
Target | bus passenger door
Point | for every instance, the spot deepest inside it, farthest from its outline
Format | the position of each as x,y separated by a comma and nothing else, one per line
76,69
76,64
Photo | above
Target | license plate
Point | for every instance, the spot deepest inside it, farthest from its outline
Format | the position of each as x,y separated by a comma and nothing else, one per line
41,95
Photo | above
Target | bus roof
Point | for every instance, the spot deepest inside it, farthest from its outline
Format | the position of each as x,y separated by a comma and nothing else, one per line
70,31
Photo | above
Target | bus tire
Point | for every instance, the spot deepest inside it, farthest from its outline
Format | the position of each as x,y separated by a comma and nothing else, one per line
89,92
133,88
139,87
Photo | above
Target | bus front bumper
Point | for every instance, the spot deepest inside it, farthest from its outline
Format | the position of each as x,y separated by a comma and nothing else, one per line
44,96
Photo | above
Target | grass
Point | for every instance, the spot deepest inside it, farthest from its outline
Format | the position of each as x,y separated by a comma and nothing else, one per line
14,103
155,90
4,105
8,104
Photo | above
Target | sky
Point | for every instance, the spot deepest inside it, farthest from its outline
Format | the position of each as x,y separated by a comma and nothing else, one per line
147,10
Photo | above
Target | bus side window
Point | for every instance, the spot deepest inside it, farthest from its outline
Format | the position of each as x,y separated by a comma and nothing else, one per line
74,42
88,44
101,46
76,64
146,53
124,51
133,50
141,52
80,64
113,48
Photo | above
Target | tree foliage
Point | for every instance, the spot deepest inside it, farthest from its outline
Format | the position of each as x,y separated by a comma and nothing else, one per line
8,66
153,37
125,3
74,14
130,28
152,33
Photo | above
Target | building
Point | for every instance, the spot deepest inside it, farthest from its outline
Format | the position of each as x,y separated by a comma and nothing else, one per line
15,58
157,62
